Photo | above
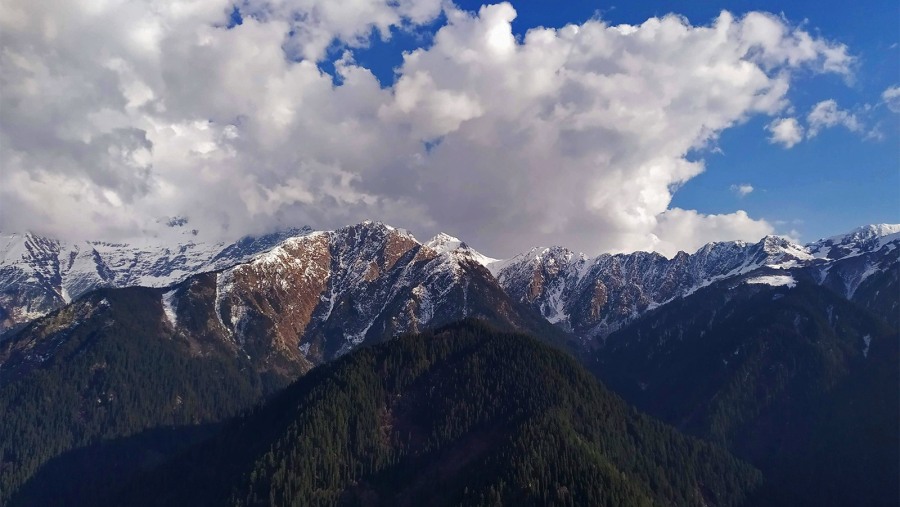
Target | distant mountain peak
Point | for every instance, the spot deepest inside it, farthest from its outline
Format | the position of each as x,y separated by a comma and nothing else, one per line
870,231
859,240
444,243
780,249
377,227
861,233
596,296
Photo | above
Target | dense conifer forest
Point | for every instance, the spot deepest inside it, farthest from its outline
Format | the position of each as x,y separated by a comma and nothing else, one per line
108,378
802,383
463,416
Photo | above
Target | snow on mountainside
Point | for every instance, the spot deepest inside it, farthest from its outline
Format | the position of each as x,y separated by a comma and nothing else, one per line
323,294
593,297
855,257
859,240
445,243
546,278
39,274
336,288
318,295
773,280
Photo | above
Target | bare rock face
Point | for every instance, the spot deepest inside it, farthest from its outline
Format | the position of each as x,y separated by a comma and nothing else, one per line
318,296
267,304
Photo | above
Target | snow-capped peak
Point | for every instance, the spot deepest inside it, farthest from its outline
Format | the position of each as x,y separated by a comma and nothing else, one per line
867,232
444,243
861,239
375,225
780,250
40,274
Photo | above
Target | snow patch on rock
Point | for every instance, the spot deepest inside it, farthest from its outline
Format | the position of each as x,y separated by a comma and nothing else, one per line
774,280
168,304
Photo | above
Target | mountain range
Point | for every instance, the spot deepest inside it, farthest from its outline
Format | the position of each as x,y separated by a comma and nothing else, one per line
39,274
751,346
588,297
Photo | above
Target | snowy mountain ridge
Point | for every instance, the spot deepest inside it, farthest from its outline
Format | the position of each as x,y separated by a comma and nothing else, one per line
310,298
857,241
39,274
328,291
587,296
593,297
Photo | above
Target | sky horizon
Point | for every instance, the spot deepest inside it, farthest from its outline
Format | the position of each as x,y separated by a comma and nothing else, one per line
511,125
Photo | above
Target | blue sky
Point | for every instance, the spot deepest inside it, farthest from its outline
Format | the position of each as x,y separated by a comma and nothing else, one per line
820,187
248,117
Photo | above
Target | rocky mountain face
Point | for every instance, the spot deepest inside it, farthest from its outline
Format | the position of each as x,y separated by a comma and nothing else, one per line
39,274
592,297
317,296
333,289
863,267
312,297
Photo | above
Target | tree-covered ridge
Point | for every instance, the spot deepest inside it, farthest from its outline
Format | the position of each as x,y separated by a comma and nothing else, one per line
463,416
799,381
108,367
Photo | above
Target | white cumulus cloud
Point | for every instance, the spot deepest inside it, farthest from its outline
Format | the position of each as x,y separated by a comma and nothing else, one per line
113,114
827,114
688,230
785,131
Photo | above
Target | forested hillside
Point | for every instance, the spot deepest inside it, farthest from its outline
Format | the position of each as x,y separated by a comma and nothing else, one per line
462,416
110,367
799,381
